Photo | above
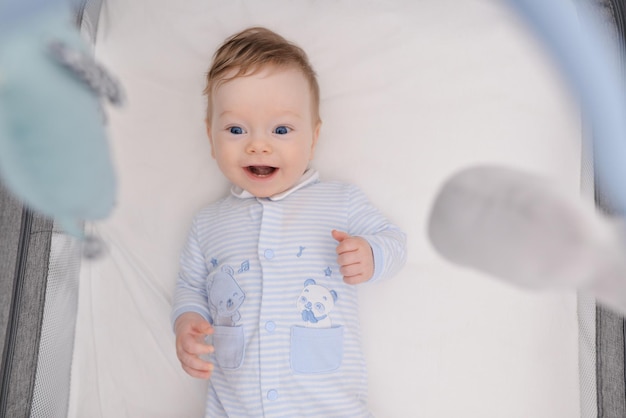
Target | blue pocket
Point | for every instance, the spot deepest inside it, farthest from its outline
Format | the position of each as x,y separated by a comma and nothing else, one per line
316,350
229,346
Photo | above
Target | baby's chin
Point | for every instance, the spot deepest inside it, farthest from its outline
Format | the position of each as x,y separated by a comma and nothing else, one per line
263,193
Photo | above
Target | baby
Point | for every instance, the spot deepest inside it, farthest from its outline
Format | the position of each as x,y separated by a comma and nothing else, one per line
269,271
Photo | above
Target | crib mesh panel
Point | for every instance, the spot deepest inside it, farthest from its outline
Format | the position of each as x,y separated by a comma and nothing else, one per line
610,336
24,250
587,356
52,382
10,223
586,305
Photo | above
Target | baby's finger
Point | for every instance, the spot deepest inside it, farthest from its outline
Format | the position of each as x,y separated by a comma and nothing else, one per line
194,362
348,245
339,235
346,259
202,327
194,346
357,279
351,270
201,349
199,374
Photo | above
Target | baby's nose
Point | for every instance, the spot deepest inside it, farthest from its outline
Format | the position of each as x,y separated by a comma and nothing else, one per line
258,145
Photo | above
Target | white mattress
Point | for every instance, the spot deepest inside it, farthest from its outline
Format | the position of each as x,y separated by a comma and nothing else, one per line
410,92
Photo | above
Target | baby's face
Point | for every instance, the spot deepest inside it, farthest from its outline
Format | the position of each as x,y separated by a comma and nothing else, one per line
262,130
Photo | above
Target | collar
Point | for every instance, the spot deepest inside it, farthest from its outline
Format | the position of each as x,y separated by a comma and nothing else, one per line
309,177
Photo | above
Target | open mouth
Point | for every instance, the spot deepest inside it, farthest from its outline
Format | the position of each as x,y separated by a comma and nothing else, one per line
261,170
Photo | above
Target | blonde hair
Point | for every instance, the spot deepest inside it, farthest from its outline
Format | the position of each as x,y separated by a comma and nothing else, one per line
253,49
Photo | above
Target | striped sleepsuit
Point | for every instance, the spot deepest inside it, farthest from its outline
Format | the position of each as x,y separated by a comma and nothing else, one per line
263,271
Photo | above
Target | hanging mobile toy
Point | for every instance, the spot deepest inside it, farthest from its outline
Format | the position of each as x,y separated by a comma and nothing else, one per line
54,153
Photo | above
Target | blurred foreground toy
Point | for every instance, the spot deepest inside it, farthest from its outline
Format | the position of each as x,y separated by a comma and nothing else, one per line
519,227
54,154
524,229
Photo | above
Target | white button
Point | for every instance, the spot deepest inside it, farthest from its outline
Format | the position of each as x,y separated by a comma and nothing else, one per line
270,326
269,254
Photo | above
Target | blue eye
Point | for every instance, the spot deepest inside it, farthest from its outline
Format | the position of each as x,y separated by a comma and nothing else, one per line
282,130
235,130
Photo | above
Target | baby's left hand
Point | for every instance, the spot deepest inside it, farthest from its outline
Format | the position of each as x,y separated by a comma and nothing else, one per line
355,258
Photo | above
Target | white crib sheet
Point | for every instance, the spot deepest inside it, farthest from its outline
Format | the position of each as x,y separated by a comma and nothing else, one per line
410,92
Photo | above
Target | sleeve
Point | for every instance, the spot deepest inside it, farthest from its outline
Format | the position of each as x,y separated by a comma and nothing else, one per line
388,242
190,294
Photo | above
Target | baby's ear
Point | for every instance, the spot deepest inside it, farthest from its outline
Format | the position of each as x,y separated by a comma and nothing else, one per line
316,134
317,129
210,136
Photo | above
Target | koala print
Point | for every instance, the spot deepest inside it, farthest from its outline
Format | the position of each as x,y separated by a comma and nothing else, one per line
225,298
315,303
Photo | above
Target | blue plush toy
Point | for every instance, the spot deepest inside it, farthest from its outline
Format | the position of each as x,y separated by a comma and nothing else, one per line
54,154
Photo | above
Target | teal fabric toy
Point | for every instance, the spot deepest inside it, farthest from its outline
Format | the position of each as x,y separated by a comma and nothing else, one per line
54,154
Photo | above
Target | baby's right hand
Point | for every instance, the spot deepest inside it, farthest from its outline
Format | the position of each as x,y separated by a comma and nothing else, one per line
191,329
